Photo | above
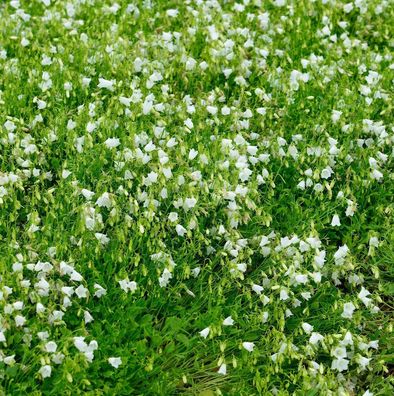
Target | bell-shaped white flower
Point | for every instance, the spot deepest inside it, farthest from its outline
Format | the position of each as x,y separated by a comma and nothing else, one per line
229,321
205,332
249,346
45,371
222,369
348,309
115,361
335,222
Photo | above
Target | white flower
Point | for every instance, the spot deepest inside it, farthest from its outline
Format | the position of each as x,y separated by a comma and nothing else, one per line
225,110
115,361
326,173
87,350
348,7
180,230
244,174
165,277
127,285
301,278
257,288
80,344
91,126
376,174
167,174
172,12
374,344
283,296
227,72
104,201
315,338
348,310
51,346
351,209
9,126
87,317
86,81
335,222
336,115
242,267
222,369
307,328
90,221
18,305
189,123
320,258
248,346
87,194
75,276
339,352
81,291
173,217
203,65
204,333
274,357
192,154
20,321
40,308
112,142
196,271
2,336
102,238
288,313
107,84
89,355
58,358
340,254
151,178
229,321
41,104
99,291
340,364
65,173
347,339
45,371
9,360
147,106
55,316
363,296
189,203
212,110
125,101
190,64
363,362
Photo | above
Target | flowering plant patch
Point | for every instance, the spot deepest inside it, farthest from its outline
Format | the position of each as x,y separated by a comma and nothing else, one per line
196,197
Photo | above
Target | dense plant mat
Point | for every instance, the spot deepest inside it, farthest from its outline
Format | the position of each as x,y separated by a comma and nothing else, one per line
196,197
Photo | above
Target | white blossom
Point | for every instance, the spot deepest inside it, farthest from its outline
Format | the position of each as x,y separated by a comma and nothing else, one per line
204,333
229,321
249,346
115,361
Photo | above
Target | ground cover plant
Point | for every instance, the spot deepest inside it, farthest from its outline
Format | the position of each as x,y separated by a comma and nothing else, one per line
196,197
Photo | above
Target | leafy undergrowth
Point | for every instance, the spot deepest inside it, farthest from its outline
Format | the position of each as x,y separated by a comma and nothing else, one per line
196,197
